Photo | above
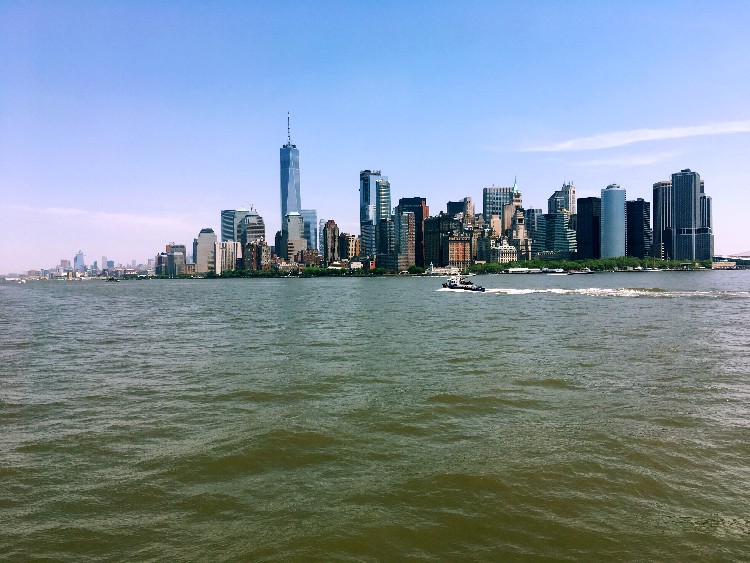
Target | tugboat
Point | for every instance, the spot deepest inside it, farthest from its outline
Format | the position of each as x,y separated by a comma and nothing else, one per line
457,282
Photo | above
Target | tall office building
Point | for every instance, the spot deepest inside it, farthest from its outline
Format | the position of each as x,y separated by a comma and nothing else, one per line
495,198
661,246
78,262
321,226
230,223
331,252
347,245
417,206
639,236
203,251
588,228
226,255
613,241
290,190
559,235
563,199
374,205
293,236
251,229
691,217
705,237
536,229
310,221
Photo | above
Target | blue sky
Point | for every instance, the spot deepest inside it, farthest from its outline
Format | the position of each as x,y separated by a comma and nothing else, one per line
127,125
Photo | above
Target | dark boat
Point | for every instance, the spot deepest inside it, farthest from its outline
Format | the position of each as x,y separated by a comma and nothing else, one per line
457,282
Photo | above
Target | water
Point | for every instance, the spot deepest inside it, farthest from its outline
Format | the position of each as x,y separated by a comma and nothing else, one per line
552,417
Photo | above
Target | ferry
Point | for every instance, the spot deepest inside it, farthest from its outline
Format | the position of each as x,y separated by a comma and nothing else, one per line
457,282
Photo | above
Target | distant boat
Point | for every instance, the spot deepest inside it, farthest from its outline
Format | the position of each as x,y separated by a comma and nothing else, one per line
584,271
457,282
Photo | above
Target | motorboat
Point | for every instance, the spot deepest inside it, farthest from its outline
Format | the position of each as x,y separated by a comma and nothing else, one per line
457,282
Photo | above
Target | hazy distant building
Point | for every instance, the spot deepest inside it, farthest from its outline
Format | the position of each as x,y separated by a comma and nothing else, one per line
662,246
613,241
290,179
175,263
203,251
79,263
588,228
639,236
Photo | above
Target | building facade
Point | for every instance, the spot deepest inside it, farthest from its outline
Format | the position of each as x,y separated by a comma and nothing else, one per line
639,236
588,228
310,222
331,251
203,251
662,246
692,230
417,206
374,193
231,219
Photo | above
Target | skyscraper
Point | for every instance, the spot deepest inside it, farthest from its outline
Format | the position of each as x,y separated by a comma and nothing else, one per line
639,236
331,251
203,251
78,262
417,206
494,199
691,217
290,190
588,228
374,205
613,242
662,225
563,199
310,219
251,229
230,223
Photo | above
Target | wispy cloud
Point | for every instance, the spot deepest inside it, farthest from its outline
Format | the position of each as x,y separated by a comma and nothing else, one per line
98,217
629,160
622,138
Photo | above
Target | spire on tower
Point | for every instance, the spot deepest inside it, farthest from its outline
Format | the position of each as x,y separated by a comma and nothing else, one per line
288,130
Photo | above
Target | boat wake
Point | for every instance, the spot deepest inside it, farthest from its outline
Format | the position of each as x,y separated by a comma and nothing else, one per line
652,292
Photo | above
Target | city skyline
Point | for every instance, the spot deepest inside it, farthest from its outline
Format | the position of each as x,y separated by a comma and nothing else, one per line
110,153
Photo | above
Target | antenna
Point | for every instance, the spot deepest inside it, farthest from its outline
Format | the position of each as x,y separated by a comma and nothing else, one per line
288,129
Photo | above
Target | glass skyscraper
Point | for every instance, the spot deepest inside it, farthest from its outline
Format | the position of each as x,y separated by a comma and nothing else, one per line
290,191
374,205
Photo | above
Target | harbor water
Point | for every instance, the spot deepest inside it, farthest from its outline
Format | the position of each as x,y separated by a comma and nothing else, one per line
589,417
